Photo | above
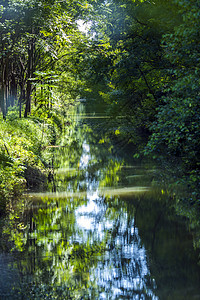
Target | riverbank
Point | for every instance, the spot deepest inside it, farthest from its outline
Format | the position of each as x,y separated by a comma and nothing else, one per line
25,155
108,222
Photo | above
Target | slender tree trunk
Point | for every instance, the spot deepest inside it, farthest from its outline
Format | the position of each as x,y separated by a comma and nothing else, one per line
20,107
13,87
22,87
7,102
29,75
29,86
2,80
2,85
3,92
21,98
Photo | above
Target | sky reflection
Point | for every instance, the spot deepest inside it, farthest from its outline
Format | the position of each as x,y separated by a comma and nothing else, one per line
123,272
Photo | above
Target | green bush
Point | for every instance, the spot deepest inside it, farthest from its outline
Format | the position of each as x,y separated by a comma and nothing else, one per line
21,144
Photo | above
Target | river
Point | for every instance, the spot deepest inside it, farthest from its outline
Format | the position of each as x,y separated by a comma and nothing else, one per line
104,228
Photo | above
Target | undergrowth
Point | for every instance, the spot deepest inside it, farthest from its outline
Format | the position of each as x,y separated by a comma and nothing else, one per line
23,157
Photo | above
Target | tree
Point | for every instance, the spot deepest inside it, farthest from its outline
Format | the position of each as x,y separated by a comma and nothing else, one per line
35,36
129,65
177,124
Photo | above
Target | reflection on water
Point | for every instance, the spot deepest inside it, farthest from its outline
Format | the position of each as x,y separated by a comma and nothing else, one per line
123,270
102,231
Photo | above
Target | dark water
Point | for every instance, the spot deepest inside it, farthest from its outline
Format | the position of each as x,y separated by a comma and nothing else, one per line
104,230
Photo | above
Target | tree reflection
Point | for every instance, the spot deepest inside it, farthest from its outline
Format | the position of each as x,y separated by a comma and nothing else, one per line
88,245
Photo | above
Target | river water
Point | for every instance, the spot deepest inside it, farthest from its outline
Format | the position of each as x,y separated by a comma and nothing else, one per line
104,229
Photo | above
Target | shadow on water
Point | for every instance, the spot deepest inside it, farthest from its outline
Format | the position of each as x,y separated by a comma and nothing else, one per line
101,231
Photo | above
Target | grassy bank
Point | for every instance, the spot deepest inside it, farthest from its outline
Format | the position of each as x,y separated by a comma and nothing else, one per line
24,154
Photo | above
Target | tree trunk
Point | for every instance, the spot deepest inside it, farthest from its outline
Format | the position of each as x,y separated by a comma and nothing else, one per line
21,98
6,79
29,75
3,105
22,87
13,90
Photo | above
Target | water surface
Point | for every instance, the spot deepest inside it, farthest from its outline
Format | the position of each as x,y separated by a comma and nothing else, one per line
102,230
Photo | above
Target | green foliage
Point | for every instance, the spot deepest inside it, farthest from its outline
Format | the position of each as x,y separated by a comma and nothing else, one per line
21,141
145,66
128,61
13,187
177,126
36,40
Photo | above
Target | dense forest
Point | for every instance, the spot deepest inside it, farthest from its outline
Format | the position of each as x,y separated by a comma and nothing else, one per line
140,58
138,61
40,44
